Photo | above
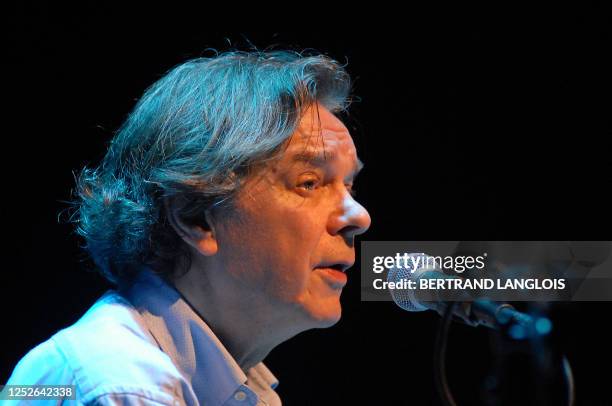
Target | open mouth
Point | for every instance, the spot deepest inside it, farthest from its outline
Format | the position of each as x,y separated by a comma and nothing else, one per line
334,274
336,266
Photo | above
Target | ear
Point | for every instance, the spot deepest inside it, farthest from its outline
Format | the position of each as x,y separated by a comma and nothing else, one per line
200,237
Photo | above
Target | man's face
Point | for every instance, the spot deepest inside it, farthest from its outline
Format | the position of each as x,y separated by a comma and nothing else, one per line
295,221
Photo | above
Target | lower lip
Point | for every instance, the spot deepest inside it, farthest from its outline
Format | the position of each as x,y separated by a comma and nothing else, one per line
336,278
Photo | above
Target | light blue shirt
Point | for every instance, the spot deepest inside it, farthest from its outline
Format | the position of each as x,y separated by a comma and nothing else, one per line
144,346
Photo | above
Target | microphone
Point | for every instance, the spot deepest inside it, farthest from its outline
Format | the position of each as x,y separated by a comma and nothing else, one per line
470,310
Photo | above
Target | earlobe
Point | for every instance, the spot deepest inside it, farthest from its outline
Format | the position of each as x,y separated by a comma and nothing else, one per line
207,242
202,238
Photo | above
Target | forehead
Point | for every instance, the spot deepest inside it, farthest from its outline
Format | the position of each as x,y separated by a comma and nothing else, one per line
320,132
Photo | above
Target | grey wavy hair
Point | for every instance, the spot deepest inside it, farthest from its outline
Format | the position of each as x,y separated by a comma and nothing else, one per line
195,135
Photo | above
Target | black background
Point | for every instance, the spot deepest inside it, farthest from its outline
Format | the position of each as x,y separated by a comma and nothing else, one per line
474,124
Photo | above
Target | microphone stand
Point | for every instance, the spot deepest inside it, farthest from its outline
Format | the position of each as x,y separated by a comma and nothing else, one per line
441,379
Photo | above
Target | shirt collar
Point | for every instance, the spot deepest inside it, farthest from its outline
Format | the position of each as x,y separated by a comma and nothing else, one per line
188,340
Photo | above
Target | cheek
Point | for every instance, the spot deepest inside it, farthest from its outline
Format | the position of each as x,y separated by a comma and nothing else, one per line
273,246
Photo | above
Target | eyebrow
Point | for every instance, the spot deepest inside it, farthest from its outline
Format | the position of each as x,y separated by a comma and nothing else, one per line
321,158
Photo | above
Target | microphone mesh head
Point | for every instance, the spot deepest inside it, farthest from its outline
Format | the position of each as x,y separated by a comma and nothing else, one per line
405,298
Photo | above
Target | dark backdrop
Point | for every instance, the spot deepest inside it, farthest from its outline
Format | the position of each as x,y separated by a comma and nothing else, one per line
474,124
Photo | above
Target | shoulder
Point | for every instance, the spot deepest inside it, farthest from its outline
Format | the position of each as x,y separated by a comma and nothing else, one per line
108,354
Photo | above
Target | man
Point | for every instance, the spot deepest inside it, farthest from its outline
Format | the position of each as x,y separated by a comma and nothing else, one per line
224,212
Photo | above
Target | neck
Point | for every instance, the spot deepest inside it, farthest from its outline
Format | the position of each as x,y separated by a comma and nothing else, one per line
247,329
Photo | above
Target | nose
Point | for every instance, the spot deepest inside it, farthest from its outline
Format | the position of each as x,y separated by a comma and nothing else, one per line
351,220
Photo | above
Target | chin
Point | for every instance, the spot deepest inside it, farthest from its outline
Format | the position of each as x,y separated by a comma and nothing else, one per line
329,322
327,317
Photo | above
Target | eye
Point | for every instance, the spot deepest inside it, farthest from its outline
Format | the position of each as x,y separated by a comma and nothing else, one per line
309,184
